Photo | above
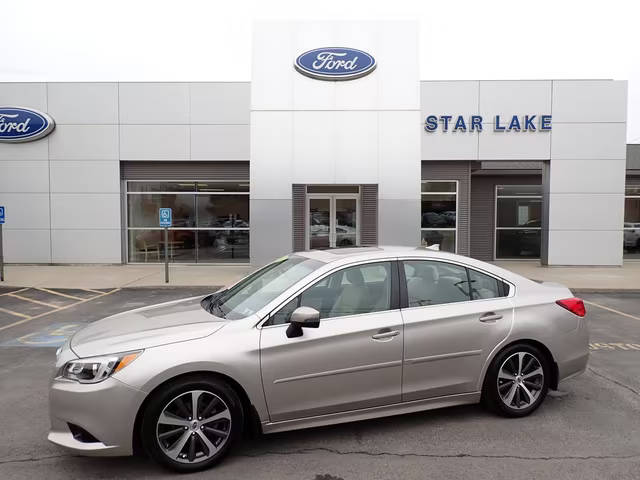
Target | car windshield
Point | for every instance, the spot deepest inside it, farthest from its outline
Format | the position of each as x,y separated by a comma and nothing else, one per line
258,289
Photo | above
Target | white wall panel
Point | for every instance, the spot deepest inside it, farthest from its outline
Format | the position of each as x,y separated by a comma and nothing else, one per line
585,248
220,103
273,54
154,142
24,176
398,142
25,210
595,176
85,211
30,95
589,101
441,145
449,98
84,142
220,142
27,246
38,150
154,103
597,141
314,143
85,177
513,145
507,98
271,155
86,246
83,103
586,211
356,147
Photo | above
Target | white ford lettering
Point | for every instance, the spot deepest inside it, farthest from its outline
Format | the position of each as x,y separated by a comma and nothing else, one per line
326,60
7,126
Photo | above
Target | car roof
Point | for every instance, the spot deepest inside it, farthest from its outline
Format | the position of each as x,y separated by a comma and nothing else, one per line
343,256
349,254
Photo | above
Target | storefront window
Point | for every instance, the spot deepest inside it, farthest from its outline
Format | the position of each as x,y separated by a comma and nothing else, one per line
518,221
631,233
210,221
439,211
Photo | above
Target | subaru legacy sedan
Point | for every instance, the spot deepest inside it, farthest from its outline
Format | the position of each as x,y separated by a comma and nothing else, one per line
314,338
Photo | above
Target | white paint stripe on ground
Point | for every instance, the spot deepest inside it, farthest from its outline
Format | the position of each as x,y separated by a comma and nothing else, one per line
612,310
11,312
53,292
26,299
14,291
28,319
92,291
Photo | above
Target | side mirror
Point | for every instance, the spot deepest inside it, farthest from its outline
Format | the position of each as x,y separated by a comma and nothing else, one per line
302,317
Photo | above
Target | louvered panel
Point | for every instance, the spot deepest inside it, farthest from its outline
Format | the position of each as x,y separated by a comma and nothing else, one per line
299,230
369,212
184,171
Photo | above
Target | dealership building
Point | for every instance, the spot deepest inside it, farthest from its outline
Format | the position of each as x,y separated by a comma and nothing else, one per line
335,141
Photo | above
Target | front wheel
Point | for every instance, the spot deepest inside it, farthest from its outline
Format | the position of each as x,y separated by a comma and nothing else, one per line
191,424
517,381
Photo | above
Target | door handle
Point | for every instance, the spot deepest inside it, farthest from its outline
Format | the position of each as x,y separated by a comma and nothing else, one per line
381,335
490,317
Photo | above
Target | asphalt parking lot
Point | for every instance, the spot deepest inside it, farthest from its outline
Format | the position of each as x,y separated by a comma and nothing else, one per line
590,429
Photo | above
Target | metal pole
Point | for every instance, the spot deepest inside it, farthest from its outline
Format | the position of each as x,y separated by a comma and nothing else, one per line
166,255
1,257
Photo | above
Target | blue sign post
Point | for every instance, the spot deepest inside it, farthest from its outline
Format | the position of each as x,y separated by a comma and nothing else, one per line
165,217
2,212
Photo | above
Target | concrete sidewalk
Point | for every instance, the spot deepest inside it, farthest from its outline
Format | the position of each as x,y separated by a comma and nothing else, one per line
121,276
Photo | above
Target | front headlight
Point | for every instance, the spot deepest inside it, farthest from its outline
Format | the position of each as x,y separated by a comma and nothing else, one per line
96,369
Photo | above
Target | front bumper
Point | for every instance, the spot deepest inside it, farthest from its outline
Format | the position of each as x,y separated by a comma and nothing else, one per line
107,410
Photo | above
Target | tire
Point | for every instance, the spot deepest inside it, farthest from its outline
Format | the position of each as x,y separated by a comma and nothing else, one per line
516,370
183,442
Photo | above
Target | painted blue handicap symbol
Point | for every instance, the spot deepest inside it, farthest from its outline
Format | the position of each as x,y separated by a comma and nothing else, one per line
51,336
165,217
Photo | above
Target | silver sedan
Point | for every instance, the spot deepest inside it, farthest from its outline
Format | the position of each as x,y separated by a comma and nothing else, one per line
314,338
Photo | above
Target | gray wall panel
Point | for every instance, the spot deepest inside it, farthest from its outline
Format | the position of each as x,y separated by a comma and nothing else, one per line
460,171
271,231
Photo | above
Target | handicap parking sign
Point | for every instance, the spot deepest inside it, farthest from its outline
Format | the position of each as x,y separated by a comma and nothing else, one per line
1,215
165,217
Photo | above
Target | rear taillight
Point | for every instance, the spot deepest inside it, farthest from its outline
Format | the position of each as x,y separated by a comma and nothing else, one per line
574,305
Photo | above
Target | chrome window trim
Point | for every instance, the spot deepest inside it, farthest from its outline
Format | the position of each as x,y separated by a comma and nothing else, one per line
265,318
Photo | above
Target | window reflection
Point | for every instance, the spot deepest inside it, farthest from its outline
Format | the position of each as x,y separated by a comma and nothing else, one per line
631,228
212,226
518,221
438,213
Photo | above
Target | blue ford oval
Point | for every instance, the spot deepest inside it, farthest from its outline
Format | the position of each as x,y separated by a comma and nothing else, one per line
19,124
335,63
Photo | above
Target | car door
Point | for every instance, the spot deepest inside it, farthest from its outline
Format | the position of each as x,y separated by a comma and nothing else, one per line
449,329
352,360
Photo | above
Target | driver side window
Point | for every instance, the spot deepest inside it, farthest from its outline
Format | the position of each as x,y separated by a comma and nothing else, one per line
350,291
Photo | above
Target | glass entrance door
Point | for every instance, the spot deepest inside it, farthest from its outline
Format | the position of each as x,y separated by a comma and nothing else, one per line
332,221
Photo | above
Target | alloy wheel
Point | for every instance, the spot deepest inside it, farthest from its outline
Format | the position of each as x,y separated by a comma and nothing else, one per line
520,380
193,426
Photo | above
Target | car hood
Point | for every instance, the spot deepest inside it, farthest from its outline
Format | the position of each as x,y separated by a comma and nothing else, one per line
146,327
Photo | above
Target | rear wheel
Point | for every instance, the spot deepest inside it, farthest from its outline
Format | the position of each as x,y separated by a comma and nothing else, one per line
517,381
191,424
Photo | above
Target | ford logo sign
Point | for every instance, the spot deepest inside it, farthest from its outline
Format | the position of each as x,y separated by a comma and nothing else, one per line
335,63
19,124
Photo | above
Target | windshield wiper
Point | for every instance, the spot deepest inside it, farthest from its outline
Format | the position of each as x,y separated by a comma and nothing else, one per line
211,302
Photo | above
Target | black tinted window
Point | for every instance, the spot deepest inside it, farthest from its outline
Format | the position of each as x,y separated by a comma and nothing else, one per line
485,286
434,283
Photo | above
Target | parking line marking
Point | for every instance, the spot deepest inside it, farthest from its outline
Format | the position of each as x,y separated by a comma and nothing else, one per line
11,312
14,291
28,319
612,310
53,292
50,305
92,291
